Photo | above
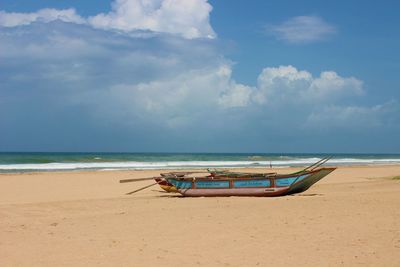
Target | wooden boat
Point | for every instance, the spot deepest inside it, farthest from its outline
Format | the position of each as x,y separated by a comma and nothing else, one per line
226,183
257,185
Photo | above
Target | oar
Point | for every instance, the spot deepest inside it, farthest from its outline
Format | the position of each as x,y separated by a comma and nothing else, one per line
140,189
136,180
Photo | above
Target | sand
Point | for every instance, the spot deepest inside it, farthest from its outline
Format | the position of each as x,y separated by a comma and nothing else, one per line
350,218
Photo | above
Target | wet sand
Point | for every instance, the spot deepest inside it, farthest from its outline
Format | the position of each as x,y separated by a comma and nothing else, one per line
350,218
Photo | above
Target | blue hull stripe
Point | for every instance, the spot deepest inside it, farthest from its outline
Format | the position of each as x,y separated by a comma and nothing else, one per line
181,184
289,181
252,183
237,184
212,184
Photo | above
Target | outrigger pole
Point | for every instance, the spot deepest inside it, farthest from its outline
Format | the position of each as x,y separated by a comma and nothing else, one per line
167,175
136,180
178,174
317,164
140,189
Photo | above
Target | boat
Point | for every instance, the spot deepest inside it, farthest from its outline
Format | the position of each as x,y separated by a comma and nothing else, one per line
227,183
269,185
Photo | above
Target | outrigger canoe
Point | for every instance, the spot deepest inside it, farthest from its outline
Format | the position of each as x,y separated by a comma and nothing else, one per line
226,183
260,186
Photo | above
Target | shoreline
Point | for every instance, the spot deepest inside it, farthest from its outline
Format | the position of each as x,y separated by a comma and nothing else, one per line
252,168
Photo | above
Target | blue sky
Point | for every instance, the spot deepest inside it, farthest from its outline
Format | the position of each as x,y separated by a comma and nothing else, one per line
200,76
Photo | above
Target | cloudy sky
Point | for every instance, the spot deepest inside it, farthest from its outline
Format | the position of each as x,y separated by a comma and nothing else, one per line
200,76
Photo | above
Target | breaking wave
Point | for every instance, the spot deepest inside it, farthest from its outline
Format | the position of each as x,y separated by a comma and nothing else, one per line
138,165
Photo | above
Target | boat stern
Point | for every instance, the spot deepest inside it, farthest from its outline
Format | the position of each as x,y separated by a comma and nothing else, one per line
306,183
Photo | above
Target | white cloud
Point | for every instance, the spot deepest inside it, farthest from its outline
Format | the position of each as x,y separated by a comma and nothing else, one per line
288,85
362,117
277,84
302,29
199,91
237,95
330,84
44,15
187,18
205,92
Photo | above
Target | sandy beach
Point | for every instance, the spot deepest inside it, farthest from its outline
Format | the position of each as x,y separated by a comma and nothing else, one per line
350,218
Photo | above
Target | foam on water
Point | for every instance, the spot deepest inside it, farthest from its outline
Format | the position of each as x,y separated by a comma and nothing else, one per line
139,165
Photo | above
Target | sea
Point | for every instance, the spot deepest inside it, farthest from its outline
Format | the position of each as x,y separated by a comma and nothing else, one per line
16,162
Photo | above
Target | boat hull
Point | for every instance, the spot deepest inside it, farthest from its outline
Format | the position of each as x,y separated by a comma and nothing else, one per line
278,185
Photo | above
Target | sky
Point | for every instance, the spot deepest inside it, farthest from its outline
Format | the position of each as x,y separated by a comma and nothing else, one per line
200,76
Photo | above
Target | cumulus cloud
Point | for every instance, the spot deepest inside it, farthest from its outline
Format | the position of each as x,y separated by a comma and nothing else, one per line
289,85
190,18
330,84
177,102
237,95
302,29
363,117
187,18
213,88
44,15
195,96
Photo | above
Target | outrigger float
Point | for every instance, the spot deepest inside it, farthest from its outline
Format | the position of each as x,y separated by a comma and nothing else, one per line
226,183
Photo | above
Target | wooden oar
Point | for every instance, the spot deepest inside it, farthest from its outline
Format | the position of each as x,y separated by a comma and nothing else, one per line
140,189
136,180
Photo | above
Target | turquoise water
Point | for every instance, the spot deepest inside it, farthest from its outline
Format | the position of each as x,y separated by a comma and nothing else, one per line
20,162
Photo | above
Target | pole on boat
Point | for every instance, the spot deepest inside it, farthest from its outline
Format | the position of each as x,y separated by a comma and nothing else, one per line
140,189
136,180
317,164
180,174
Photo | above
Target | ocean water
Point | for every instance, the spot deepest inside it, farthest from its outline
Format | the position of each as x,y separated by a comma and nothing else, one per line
28,162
